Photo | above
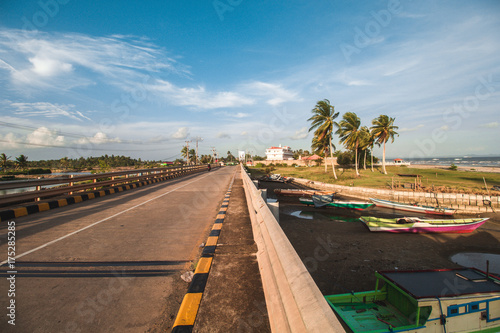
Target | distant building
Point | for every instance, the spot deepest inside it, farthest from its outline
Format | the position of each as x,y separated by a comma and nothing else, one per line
279,153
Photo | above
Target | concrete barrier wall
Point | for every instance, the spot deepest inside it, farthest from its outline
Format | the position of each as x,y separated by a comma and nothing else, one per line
294,302
463,203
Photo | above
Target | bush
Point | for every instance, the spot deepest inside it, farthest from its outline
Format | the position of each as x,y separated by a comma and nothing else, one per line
259,165
453,167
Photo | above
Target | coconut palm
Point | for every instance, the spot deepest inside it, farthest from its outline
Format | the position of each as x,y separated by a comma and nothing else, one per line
349,130
4,161
364,143
383,129
322,122
22,161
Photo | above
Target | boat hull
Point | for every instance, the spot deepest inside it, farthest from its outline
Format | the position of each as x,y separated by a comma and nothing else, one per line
413,208
356,205
423,226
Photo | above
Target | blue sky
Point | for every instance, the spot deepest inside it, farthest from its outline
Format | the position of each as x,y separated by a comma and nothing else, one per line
80,78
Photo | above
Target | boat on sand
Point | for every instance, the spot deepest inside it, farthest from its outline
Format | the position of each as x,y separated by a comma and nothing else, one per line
418,225
413,207
329,201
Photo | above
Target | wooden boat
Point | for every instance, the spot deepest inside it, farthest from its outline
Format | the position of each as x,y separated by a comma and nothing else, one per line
357,205
417,225
300,192
413,208
428,301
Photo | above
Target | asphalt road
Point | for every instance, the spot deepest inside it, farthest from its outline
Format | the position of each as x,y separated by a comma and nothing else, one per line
111,264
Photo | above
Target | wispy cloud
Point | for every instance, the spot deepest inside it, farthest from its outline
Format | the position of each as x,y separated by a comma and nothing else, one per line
198,97
222,135
300,134
493,124
273,93
64,60
47,110
411,129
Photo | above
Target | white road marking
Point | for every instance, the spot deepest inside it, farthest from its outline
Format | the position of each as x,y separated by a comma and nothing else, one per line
96,223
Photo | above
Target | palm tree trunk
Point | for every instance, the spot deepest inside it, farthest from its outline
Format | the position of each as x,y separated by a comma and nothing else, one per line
325,161
356,159
372,158
331,156
383,160
364,165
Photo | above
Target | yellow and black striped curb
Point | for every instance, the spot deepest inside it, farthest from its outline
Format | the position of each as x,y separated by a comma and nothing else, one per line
186,316
10,214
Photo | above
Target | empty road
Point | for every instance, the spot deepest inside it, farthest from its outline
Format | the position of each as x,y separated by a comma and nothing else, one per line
111,264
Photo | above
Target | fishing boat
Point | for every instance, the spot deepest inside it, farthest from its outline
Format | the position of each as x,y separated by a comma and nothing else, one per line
427,301
300,192
413,207
418,225
328,201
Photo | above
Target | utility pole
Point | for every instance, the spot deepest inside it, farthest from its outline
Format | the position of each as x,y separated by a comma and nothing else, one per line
197,139
213,154
187,151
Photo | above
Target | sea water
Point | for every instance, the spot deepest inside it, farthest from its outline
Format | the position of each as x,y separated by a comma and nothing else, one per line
466,161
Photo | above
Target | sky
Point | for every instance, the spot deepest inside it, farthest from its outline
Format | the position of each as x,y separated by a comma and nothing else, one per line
85,78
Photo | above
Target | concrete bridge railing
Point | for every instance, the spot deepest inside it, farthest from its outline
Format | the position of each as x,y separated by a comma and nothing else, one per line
294,302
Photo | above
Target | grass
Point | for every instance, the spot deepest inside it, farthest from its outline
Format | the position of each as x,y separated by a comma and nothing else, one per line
438,180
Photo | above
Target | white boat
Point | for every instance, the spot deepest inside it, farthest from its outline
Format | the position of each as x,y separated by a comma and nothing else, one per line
413,208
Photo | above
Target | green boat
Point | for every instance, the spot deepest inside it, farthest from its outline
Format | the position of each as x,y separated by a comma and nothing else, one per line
357,205
445,300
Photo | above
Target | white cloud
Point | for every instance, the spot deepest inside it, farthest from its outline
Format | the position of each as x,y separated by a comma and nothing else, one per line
9,141
405,129
66,60
98,138
222,135
48,110
274,94
300,134
44,136
493,124
181,133
199,97
49,67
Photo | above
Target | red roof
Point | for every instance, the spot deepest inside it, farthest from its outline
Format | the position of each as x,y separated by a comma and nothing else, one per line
313,157
398,159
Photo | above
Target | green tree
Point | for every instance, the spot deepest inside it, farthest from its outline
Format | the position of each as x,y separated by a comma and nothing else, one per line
383,129
364,143
323,120
21,161
4,161
349,130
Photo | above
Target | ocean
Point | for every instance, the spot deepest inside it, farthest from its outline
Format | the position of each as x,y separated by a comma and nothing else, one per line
467,161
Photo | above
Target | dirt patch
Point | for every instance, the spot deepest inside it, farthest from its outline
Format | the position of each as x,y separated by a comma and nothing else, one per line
342,254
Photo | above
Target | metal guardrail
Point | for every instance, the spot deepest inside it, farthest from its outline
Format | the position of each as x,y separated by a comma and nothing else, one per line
70,185
294,302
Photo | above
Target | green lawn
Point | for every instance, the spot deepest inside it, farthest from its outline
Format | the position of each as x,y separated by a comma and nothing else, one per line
431,179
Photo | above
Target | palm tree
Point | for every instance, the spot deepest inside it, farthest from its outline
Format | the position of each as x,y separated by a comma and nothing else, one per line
22,161
320,147
383,129
185,153
349,130
4,161
323,121
364,143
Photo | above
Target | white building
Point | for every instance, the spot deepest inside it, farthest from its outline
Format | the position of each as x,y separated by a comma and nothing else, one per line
279,153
